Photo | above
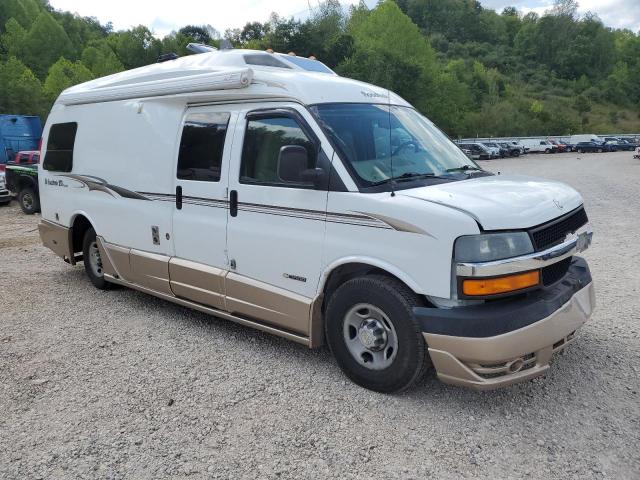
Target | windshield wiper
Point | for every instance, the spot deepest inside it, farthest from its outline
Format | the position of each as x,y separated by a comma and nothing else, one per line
408,176
464,168
412,176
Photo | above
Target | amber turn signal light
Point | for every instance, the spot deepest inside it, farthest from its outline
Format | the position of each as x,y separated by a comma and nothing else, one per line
493,286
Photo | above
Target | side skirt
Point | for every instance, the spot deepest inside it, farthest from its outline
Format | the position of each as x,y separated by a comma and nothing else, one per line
212,311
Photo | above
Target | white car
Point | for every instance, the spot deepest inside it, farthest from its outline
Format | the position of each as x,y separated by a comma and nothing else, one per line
5,195
265,189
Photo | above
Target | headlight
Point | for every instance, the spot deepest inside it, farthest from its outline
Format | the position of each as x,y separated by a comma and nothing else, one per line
492,246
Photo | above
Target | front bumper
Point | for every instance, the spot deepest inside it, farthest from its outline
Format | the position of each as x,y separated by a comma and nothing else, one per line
496,344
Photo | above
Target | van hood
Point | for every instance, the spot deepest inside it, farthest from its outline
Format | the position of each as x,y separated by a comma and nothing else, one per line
503,202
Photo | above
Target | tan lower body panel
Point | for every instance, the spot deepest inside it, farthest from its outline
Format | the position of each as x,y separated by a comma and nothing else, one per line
57,238
197,282
212,311
487,363
274,305
209,289
115,259
150,270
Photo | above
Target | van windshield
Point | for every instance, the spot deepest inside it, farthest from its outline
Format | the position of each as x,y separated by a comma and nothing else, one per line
383,143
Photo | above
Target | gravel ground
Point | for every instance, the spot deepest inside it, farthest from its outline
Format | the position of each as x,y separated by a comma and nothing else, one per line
121,385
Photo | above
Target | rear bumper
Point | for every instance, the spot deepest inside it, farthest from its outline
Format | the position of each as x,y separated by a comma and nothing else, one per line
501,343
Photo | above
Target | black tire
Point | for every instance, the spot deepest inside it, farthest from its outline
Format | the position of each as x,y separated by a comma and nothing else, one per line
516,153
579,150
97,277
396,301
29,201
547,151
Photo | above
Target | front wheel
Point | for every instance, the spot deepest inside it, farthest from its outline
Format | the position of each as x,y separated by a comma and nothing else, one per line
93,261
371,330
28,200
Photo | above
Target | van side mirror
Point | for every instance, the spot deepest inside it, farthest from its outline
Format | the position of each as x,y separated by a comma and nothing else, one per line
292,167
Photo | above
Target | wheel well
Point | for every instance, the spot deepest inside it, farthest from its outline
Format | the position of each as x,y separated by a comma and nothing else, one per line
346,272
78,229
24,182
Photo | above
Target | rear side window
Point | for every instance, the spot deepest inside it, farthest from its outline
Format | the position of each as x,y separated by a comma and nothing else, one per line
59,156
201,146
262,143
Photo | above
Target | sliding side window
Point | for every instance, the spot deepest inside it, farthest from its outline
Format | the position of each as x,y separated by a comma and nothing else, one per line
59,156
202,145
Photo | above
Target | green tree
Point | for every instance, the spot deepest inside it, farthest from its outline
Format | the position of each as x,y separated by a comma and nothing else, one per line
23,11
12,40
44,43
64,74
100,59
21,91
136,47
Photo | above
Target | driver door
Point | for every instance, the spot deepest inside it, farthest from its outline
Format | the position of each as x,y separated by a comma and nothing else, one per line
276,227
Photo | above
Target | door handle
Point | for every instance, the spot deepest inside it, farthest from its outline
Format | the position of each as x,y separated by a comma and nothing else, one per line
233,203
179,197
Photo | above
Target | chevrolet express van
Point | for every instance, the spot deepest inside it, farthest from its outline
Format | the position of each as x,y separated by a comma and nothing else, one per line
265,189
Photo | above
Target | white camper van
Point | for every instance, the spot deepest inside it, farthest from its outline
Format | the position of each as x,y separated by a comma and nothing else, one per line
265,189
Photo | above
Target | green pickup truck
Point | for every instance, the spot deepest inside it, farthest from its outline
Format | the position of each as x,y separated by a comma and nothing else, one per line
22,181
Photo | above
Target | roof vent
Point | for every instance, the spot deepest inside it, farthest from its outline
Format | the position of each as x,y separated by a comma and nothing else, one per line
200,48
225,44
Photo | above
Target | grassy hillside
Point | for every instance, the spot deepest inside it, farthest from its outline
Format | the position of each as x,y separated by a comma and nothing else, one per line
472,70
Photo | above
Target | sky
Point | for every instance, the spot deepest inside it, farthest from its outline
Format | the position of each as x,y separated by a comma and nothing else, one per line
163,16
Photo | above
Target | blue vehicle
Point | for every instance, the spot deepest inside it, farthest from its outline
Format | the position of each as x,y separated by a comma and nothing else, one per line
585,147
18,133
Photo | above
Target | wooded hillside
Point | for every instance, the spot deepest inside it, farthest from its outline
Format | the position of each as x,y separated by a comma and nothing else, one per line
471,70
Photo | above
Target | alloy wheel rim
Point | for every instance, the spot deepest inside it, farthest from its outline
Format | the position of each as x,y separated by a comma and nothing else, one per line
370,336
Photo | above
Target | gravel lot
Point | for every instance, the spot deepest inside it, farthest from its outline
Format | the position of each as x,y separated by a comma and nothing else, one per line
121,385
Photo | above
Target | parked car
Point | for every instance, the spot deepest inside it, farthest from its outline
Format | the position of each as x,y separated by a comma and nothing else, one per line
493,148
22,182
568,147
590,147
496,147
519,145
560,147
18,133
289,199
510,149
539,146
5,196
29,157
478,151
619,143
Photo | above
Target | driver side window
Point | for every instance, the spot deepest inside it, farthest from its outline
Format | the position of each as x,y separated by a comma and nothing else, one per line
263,141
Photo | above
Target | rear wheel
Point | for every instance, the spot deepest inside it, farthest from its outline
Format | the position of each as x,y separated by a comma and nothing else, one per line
516,153
93,261
373,335
29,202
